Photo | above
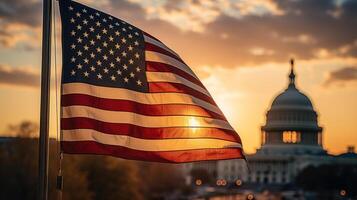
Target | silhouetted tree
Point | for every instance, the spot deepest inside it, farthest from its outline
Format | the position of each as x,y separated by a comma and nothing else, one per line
85,177
329,178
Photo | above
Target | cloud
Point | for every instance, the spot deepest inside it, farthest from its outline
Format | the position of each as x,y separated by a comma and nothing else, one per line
23,77
21,11
20,22
194,15
341,76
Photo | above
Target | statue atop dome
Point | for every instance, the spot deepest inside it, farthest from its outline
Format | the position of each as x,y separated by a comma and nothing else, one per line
292,74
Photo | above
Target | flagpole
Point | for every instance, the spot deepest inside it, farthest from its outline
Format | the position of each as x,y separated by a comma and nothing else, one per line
45,100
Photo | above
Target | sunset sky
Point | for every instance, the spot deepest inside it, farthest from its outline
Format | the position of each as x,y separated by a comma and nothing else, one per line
240,49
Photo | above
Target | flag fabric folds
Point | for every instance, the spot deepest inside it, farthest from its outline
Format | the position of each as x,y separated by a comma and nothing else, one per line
126,94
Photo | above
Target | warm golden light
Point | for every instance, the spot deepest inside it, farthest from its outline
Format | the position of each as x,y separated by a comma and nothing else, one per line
198,182
239,182
291,137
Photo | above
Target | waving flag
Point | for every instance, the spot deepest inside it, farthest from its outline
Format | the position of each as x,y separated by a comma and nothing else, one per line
126,94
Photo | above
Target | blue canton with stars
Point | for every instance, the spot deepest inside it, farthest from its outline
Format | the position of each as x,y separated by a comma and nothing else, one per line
100,49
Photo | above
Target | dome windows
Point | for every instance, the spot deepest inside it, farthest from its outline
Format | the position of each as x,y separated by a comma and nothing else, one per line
291,137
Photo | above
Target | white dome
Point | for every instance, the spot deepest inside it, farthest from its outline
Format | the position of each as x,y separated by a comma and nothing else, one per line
292,98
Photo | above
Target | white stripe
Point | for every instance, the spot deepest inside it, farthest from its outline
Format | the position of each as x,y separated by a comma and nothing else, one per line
145,144
143,120
145,98
159,44
173,78
159,57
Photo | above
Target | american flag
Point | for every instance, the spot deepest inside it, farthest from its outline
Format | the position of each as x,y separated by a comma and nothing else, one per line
126,94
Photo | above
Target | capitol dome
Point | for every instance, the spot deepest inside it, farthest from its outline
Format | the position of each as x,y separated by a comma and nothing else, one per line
291,122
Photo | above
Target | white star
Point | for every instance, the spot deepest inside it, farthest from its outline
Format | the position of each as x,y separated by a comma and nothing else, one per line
110,17
99,50
125,67
111,52
78,14
92,55
131,61
138,69
72,20
126,80
85,34
73,72
139,82
79,27
84,10
111,26
117,33
73,59
124,29
73,33
119,72
130,48
86,60
92,68
136,33
79,53
85,22
105,57
70,8
117,59
111,38
130,36
79,66
132,75
105,44
123,40
113,78
97,14
123,53
136,43
73,46
104,31
137,55
106,70
79,40
99,63
117,46
104,20
97,23
111,64
98,36
91,29
91,16
92,42
130,27
99,76
86,74
86,47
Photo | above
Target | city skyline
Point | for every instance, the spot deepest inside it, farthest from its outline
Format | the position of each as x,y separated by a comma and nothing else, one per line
240,51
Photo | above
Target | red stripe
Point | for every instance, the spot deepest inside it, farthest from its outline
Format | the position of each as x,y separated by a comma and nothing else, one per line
152,47
164,87
148,133
161,67
132,106
91,147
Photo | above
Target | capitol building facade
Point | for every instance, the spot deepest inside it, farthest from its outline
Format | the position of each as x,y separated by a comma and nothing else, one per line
291,140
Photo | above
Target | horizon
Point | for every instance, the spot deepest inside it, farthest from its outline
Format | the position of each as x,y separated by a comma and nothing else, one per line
239,51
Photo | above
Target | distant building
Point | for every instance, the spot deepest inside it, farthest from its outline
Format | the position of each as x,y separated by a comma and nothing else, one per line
291,140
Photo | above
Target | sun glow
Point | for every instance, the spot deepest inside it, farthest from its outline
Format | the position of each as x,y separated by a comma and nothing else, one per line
193,122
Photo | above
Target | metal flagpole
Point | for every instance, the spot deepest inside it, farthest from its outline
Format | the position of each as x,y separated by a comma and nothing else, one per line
45,100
